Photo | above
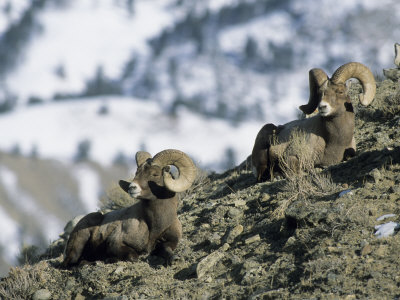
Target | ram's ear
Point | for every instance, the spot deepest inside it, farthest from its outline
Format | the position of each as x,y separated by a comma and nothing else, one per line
124,185
141,157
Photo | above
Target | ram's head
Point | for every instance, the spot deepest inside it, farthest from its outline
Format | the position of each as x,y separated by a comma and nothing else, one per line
153,179
329,95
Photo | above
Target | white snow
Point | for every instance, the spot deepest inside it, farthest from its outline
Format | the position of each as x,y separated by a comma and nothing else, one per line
387,229
9,237
56,128
89,186
52,226
81,37
342,193
17,7
263,30
381,218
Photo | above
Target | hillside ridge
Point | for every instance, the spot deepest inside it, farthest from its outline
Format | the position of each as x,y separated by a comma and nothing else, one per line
312,236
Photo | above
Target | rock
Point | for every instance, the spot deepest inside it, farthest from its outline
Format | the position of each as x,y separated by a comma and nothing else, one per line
43,294
119,270
397,54
345,192
254,238
376,175
367,249
392,74
70,226
79,297
225,247
234,213
232,234
239,203
207,263
381,251
265,198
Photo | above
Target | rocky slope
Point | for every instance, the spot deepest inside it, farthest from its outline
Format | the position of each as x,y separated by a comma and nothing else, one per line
312,236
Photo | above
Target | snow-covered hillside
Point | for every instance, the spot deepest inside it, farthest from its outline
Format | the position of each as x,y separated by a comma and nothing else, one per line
121,126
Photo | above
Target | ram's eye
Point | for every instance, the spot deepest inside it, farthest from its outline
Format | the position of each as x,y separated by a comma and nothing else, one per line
154,174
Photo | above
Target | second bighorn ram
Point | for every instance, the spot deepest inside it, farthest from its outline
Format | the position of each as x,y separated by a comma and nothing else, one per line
329,134
149,225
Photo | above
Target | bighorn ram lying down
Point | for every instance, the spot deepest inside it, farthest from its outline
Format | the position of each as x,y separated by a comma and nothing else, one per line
150,224
329,134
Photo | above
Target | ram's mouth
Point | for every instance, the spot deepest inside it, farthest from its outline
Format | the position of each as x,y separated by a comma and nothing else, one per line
133,192
324,112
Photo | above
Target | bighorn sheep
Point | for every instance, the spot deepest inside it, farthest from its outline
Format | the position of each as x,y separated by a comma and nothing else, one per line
330,133
150,224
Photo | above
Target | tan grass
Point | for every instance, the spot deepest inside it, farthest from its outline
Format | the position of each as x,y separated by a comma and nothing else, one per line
21,282
115,198
303,181
200,180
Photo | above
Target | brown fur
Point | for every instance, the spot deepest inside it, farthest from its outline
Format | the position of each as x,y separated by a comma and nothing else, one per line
331,137
150,224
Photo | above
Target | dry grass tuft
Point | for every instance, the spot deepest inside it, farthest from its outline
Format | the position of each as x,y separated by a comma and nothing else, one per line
303,181
21,283
200,180
115,198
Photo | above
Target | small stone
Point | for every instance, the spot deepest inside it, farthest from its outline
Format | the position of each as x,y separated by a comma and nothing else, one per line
368,185
225,247
252,239
381,251
70,226
239,203
234,212
79,297
265,198
207,263
376,175
392,74
205,226
42,294
233,233
70,283
119,270
367,249
345,186
347,192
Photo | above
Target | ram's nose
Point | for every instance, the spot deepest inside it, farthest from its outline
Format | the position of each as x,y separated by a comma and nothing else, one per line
134,189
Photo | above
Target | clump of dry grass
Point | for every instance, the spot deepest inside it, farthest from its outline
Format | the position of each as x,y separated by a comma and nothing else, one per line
200,180
303,181
115,198
21,283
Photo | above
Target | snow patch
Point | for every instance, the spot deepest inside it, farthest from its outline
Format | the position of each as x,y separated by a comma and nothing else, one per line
130,124
9,237
387,229
381,218
89,186
51,225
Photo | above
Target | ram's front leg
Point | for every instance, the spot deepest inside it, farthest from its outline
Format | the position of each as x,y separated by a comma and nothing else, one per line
169,241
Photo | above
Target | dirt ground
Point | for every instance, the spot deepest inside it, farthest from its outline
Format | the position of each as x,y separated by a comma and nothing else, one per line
300,239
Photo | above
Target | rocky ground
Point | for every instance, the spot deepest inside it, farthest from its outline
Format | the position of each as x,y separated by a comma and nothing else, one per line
306,237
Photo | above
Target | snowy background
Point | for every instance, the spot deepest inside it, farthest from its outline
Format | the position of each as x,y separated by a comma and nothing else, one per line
85,84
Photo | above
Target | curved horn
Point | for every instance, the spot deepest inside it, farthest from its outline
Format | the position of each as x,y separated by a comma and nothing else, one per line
186,167
317,78
363,74
141,157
